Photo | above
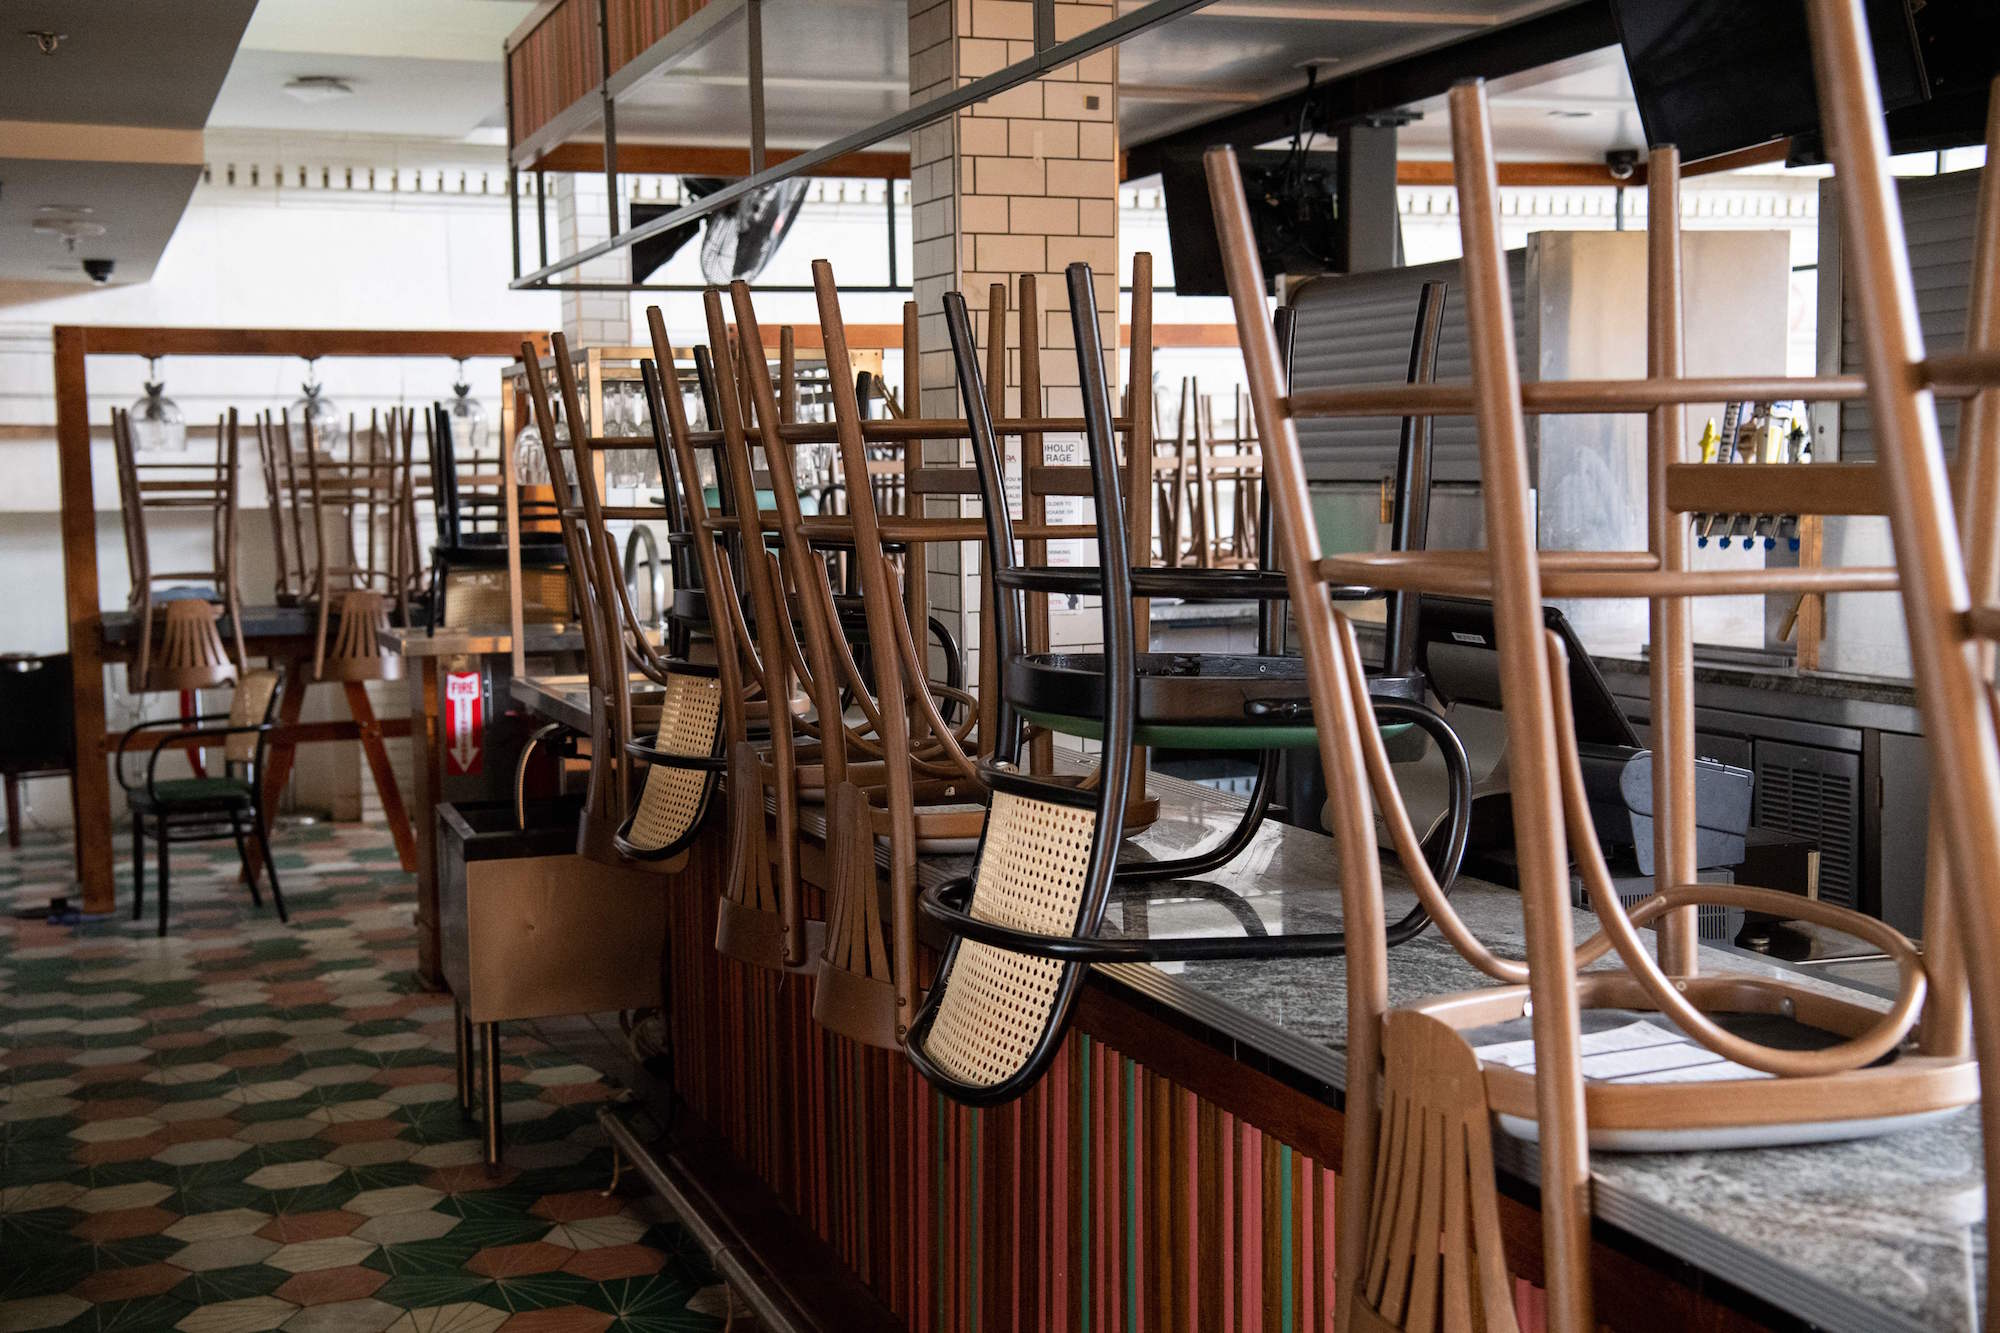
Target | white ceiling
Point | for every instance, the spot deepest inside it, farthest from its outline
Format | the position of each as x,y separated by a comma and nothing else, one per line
426,69
153,64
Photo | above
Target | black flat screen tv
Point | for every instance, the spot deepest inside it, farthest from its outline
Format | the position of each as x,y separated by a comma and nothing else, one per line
1292,213
1713,76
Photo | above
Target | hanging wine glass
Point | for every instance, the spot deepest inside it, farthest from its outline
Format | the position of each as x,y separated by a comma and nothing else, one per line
328,432
157,424
530,467
468,417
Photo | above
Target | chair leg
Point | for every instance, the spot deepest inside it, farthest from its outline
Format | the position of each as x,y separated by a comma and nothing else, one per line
461,1041
138,866
243,854
270,863
161,833
13,810
489,1059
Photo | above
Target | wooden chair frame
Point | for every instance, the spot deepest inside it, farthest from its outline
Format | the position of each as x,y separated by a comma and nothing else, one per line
688,736
1550,819
358,577
193,656
607,794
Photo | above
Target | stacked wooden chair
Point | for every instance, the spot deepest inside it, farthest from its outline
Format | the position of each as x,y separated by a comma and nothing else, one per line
648,793
468,505
1029,917
1419,1239
281,492
188,651
356,510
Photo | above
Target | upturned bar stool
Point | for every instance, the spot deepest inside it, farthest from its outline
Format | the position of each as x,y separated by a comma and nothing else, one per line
1836,1068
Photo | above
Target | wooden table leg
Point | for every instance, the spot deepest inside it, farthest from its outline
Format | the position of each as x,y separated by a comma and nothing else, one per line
426,786
385,776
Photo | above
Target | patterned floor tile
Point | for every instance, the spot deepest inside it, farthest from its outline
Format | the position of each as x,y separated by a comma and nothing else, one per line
250,1125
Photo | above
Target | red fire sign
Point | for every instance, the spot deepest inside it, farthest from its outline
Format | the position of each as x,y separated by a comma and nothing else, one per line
464,724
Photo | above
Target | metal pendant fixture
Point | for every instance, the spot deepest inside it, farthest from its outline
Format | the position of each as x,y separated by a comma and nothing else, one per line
468,416
157,424
329,432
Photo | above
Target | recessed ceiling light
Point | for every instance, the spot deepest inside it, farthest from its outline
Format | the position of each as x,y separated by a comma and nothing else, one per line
311,88
67,222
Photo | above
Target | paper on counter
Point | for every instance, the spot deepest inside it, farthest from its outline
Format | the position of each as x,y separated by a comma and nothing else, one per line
1636,1052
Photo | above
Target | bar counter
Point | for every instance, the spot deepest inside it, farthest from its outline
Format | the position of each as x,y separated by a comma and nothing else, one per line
1183,1146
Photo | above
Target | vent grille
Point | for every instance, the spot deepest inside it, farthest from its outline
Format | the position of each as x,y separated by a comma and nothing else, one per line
1814,793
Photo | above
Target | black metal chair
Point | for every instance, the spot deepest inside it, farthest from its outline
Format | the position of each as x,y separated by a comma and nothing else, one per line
1027,919
207,808
38,740
1247,703
472,531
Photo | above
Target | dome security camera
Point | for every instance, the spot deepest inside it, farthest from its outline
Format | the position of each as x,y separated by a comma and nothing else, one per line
99,270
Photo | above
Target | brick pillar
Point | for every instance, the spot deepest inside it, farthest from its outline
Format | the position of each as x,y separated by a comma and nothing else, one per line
590,319
1026,182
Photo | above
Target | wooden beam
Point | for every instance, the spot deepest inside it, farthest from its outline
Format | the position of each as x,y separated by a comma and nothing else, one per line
1568,174
104,339
90,784
666,159
1546,174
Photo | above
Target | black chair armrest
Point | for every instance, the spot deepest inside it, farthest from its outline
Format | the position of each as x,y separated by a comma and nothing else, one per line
207,733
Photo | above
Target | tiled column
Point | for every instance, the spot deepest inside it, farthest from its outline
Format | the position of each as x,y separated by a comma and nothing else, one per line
1026,182
591,319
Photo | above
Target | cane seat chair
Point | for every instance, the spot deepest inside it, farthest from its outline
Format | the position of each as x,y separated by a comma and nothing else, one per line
1834,1068
1240,703
652,828
760,917
683,757
190,653
1028,918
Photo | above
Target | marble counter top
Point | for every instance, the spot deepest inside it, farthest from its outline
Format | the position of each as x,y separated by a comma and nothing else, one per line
1886,1234
1888,691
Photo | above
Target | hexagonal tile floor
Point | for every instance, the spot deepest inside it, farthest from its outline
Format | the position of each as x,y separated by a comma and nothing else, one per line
252,1126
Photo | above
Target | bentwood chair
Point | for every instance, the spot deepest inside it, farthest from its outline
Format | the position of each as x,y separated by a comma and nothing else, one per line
899,773
683,758
1836,1068
203,809
1256,704
354,507
1028,918
760,920
189,604
471,541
